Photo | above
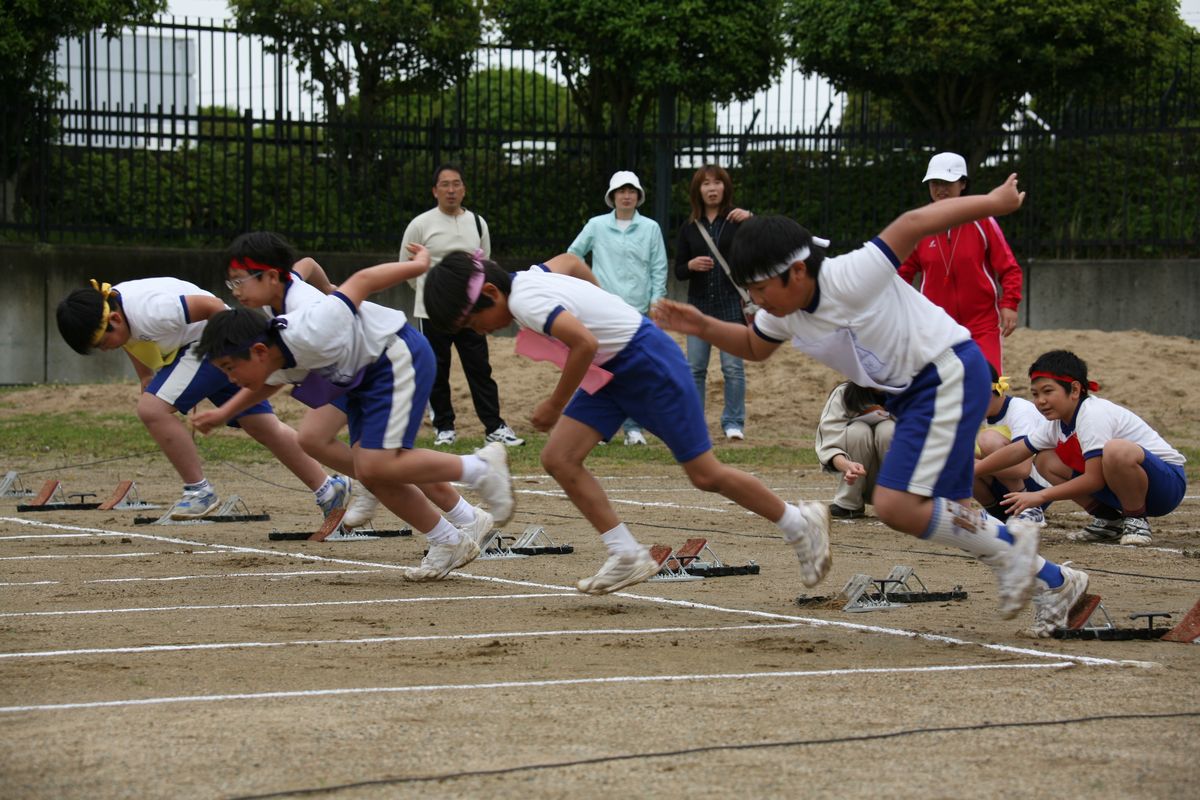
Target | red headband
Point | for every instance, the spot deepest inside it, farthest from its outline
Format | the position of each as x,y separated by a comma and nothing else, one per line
250,265
1091,385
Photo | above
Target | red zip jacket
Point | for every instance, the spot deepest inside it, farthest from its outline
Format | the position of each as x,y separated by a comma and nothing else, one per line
971,273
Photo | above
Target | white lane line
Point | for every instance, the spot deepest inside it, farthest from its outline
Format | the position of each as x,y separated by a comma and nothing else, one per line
45,536
816,622
560,495
84,555
30,583
459,687
451,637
311,604
297,573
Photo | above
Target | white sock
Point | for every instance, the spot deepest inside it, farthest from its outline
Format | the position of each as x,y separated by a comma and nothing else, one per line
474,468
958,526
443,533
792,520
462,514
201,485
620,540
322,494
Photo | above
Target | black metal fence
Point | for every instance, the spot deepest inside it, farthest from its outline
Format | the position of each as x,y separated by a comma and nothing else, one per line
188,133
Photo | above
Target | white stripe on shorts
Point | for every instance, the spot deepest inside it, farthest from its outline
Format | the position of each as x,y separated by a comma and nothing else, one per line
404,386
186,367
943,428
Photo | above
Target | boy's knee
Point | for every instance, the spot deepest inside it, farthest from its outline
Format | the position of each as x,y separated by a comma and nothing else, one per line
990,441
708,480
1122,453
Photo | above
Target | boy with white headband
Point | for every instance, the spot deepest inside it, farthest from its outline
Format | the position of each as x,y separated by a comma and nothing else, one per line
342,346
856,315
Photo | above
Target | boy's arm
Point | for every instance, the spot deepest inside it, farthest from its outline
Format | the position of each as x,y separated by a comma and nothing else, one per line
365,282
731,337
314,275
203,306
582,346
903,234
206,421
1010,455
144,373
573,265
1090,482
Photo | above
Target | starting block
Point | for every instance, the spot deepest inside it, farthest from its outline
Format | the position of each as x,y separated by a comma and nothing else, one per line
900,588
669,567
1080,625
52,497
695,559
11,486
533,541
332,530
124,498
232,509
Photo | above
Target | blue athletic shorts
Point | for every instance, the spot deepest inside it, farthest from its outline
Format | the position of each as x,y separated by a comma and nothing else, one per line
937,418
652,384
387,408
1166,487
187,380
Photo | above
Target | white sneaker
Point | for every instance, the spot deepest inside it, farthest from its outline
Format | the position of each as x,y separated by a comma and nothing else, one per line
362,507
442,558
1014,567
619,571
195,503
812,543
1052,606
1135,531
505,436
1035,515
734,433
634,437
1099,530
339,491
480,531
496,484
444,438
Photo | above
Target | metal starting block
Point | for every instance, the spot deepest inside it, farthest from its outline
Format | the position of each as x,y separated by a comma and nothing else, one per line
232,509
669,568
332,530
901,587
695,559
859,598
533,541
1080,625
898,588
52,497
125,498
11,486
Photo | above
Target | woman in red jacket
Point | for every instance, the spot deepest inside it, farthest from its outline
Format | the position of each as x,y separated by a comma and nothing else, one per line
969,270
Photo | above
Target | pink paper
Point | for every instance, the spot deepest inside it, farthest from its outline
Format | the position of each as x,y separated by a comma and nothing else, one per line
539,347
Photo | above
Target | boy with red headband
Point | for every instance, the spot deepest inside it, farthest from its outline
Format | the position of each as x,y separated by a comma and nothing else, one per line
157,321
1108,459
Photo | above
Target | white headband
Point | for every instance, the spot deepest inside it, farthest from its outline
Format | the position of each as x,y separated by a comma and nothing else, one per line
801,254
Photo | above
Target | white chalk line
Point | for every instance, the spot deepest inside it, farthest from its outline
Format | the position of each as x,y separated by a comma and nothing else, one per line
310,604
223,576
816,622
30,583
445,637
83,555
460,687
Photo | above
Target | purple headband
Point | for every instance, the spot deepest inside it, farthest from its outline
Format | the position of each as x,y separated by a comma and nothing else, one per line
474,283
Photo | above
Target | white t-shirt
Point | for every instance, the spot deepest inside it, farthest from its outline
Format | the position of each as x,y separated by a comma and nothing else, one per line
441,234
157,312
1098,421
334,339
1018,419
866,322
297,293
538,296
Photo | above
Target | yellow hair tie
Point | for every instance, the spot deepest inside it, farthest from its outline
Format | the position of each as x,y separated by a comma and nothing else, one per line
105,290
1001,385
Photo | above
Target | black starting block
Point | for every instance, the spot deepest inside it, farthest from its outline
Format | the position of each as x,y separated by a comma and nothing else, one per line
533,541
693,560
52,497
232,509
11,486
900,588
334,531
1081,624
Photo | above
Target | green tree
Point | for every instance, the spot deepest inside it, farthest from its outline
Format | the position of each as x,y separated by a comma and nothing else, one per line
30,31
615,57
957,69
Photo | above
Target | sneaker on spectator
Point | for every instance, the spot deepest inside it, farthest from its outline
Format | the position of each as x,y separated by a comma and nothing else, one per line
812,543
1099,530
505,436
442,558
195,503
1135,531
1052,606
1034,514
338,492
619,571
734,433
445,438
362,506
496,485
1014,567
634,437
841,512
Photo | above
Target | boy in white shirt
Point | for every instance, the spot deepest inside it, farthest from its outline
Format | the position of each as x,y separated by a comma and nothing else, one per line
1009,419
651,383
1118,467
341,345
856,315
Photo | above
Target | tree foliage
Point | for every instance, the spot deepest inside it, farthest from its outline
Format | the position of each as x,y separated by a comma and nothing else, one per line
616,56
957,69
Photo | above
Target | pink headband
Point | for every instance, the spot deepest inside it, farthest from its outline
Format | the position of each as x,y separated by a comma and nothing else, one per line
474,283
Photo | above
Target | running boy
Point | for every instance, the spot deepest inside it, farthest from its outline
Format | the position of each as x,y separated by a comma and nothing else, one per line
1119,468
340,345
158,321
855,314
651,383
1009,419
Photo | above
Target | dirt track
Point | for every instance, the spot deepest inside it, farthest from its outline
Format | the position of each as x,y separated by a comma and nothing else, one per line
504,681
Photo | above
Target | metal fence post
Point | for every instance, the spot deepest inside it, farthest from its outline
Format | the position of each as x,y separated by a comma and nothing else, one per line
247,171
664,158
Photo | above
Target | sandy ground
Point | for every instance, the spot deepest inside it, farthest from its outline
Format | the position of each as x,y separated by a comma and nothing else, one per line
204,660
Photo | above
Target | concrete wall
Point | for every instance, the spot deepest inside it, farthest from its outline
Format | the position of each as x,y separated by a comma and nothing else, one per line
1156,296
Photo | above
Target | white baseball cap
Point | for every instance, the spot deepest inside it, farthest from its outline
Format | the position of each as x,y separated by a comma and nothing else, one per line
946,167
624,178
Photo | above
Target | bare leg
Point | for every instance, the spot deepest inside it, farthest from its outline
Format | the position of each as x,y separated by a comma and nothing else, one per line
569,444
380,471
166,428
318,438
905,512
1123,472
281,440
710,475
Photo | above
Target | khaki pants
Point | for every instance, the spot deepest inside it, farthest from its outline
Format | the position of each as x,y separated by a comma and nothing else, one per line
866,444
